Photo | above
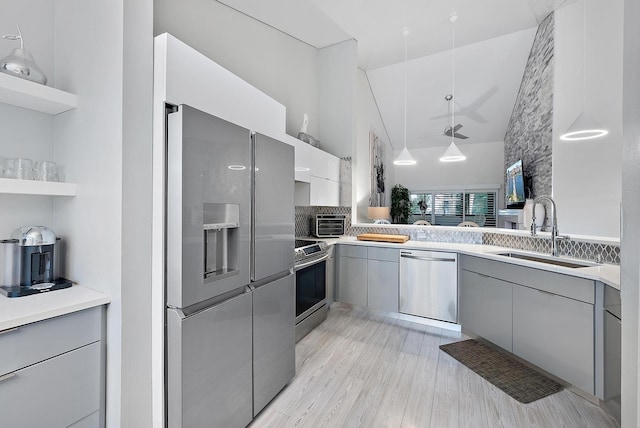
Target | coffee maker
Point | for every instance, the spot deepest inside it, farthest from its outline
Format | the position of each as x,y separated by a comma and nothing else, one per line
31,262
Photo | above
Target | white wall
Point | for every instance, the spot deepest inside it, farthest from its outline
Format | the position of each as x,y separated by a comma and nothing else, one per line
587,175
35,18
630,242
277,64
136,215
484,166
29,135
88,141
26,133
367,120
337,76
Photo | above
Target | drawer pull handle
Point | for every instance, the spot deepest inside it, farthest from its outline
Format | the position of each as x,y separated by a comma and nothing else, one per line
7,376
9,330
545,292
429,259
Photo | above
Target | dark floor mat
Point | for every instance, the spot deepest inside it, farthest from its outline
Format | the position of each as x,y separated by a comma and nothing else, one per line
514,378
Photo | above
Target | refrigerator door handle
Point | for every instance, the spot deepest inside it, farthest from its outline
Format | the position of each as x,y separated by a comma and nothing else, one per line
257,284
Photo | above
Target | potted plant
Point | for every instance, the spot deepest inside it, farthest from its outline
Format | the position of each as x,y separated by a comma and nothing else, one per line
400,204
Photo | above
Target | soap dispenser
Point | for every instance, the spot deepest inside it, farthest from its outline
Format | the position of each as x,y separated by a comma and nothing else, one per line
20,62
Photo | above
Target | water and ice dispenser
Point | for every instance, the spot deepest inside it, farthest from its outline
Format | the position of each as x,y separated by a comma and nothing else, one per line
221,237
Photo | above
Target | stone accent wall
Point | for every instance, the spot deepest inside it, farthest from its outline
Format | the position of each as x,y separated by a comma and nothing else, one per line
528,134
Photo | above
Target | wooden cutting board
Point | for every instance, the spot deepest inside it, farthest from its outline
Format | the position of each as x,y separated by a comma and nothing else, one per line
380,237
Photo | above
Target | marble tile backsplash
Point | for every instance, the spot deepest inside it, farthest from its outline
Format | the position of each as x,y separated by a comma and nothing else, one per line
571,248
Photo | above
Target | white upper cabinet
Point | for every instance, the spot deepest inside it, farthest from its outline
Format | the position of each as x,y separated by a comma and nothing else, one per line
318,168
303,155
325,165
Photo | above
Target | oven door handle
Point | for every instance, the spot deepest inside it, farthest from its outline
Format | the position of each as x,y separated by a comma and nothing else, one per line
312,262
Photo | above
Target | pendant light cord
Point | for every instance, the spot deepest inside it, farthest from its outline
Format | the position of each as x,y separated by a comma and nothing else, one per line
453,71
584,54
405,33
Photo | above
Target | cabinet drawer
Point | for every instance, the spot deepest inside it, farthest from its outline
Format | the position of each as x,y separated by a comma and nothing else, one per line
31,343
384,254
55,393
556,283
358,251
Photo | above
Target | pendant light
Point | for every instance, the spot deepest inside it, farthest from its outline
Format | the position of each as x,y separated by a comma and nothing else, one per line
585,127
405,158
453,153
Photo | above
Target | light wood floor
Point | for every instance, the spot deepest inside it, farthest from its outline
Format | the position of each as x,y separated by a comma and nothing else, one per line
363,370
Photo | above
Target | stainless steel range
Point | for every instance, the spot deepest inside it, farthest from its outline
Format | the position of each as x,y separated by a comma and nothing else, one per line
311,285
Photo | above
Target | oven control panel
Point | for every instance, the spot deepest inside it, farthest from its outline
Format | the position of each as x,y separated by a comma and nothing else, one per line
308,249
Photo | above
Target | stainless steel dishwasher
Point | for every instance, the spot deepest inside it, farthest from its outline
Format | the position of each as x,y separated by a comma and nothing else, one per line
429,284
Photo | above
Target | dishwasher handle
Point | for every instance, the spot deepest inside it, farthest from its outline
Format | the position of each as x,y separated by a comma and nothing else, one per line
429,259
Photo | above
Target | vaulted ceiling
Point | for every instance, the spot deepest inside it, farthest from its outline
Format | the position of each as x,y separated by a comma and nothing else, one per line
492,43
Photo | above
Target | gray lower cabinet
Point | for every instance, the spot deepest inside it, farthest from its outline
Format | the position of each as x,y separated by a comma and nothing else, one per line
52,385
485,308
367,276
555,333
331,276
382,285
352,275
545,318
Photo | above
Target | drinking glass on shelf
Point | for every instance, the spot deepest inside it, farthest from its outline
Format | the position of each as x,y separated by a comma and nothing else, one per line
60,173
9,168
45,171
24,169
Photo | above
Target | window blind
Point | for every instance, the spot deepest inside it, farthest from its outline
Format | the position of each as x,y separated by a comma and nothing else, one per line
450,208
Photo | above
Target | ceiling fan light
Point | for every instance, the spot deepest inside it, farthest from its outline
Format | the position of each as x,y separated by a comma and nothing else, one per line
584,127
453,154
404,158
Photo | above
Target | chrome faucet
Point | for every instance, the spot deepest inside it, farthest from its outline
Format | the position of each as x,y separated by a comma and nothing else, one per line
554,223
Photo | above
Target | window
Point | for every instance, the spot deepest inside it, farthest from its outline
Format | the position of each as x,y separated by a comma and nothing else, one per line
450,208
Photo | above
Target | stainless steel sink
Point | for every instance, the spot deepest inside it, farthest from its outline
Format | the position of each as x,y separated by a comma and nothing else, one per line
549,260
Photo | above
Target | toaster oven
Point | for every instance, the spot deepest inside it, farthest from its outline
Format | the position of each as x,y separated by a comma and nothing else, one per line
328,225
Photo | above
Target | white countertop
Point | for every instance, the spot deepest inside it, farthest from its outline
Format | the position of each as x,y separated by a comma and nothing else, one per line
606,273
17,311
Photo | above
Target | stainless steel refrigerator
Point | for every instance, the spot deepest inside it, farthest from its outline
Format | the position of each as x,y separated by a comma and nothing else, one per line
229,259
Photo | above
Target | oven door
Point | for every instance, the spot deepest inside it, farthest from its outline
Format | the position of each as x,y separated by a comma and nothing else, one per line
311,288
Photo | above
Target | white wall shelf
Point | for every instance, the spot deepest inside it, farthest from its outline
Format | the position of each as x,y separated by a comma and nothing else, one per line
33,96
31,187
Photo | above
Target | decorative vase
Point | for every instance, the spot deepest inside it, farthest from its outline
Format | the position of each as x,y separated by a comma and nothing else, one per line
20,62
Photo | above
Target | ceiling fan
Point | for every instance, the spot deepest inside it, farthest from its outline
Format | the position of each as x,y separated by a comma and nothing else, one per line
450,130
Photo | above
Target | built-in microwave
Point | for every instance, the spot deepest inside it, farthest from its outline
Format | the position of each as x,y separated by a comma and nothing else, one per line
328,225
